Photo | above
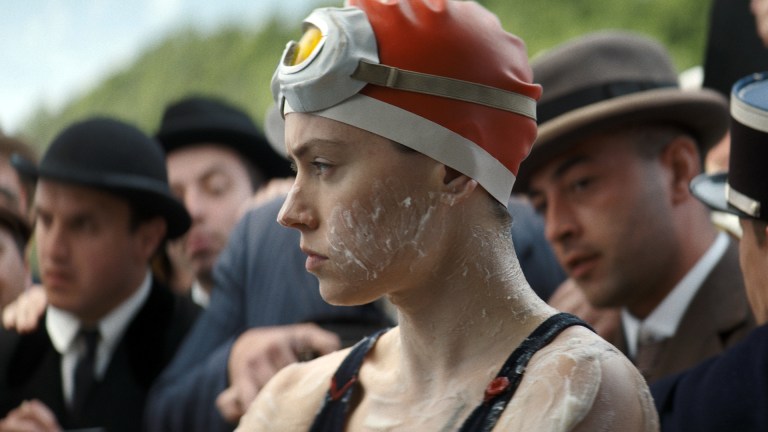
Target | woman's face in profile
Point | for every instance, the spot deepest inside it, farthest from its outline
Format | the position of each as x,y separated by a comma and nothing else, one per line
366,208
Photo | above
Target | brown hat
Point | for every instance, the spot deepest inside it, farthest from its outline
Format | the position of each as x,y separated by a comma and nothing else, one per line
608,79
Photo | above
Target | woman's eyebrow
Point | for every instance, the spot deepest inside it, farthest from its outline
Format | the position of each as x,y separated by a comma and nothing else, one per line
303,148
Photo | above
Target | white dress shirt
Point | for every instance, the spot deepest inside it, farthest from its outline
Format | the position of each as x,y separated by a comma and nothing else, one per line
662,323
63,328
200,296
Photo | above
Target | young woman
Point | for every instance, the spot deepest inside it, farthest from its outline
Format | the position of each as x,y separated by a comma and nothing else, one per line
402,180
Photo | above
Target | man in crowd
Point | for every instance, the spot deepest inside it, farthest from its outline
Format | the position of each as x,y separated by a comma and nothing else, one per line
217,159
618,144
103,208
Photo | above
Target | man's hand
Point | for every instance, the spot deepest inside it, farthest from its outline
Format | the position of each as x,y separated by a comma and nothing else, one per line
30,416
260,353
23,314
570,298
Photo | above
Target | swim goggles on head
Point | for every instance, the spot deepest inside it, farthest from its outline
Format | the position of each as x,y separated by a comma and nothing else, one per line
337,56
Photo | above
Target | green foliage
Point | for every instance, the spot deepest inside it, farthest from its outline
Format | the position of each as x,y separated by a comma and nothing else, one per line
680,24
237,64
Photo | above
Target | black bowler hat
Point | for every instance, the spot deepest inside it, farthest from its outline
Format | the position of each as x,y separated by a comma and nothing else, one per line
198,119
110,155
744,190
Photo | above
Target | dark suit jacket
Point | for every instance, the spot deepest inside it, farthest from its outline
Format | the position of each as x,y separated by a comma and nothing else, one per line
30,367
725,393
718,316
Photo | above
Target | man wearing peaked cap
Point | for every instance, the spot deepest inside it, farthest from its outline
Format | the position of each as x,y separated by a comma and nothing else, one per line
217,159
103,207
618,144
730,391
406,153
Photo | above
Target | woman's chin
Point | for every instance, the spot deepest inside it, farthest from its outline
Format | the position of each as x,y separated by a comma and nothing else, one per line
343,294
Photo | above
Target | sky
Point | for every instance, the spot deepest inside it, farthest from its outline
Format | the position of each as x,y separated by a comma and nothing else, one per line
53,50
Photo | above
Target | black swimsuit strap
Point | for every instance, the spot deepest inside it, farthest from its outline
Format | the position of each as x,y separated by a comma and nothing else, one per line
333,415
500,391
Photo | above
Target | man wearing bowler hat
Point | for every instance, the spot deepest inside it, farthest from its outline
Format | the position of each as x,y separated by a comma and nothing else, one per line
217,159
618,144
730,391
103,208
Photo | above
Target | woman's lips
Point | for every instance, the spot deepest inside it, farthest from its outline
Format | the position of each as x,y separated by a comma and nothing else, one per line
314,259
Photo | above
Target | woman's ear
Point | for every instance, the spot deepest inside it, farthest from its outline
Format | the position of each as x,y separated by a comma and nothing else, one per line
456,186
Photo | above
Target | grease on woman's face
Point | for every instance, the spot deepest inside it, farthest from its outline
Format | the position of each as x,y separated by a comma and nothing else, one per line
382,232
360,202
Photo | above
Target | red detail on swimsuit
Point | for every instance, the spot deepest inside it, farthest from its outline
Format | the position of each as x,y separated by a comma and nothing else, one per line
336,394
496,387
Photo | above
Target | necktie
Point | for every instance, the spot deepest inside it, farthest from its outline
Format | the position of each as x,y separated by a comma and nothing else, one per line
84,370
648,353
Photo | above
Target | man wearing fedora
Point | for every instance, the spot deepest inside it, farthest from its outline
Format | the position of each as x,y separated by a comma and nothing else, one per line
217,159
618,144
730,391
103,208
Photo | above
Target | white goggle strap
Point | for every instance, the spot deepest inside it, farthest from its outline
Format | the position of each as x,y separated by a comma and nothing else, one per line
420,134
417,82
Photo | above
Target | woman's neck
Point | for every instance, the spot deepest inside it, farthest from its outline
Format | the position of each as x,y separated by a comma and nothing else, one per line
475,308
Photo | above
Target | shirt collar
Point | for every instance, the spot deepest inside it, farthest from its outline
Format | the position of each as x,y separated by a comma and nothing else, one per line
200,296
63,326
663,321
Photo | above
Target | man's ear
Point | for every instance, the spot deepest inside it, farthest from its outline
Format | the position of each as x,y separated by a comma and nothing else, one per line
456,186
150,235
681,157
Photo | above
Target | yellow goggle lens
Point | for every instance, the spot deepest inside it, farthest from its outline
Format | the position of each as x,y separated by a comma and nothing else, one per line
306,44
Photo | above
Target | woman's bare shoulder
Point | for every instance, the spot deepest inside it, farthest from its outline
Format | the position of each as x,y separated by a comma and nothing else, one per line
293,396
581,382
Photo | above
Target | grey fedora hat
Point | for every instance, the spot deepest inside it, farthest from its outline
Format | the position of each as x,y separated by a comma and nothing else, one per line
608,79
743,191
113,156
